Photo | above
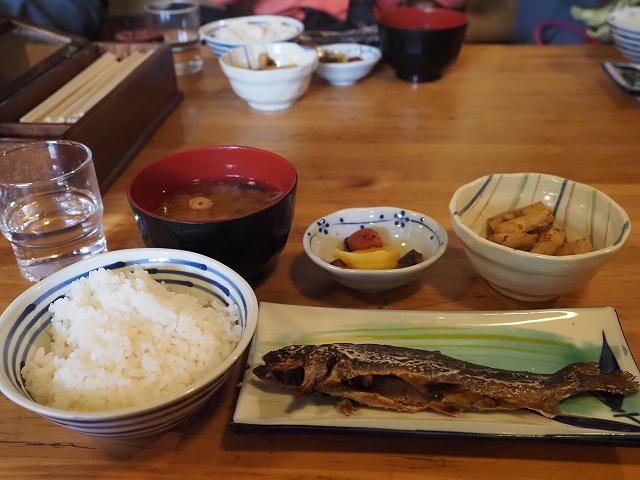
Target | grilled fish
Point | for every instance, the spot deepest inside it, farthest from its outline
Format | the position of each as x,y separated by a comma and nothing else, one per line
411,380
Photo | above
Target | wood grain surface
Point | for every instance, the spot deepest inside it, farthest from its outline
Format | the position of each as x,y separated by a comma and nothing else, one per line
382,141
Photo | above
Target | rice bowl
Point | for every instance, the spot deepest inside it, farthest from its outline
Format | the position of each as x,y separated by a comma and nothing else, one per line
23,330
122,339
222,35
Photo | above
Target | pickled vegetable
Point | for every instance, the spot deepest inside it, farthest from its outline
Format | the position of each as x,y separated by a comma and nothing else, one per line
410,259
363,239
382,258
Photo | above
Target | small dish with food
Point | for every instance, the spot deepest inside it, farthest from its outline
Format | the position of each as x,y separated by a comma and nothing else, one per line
128,343
343,64
223,35
270,76
534,236
375,249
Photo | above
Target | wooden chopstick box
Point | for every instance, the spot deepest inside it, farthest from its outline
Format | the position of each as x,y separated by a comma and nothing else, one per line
117,127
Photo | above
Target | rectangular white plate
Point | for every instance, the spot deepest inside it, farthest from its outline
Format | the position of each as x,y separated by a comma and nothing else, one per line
540,341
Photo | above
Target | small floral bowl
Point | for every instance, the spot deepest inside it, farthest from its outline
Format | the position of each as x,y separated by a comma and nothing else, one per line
347,73
409,230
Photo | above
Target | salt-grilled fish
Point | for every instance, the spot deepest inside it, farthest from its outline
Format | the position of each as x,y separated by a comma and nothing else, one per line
411,380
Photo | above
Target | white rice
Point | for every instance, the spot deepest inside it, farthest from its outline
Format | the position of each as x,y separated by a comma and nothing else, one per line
255,32
123,339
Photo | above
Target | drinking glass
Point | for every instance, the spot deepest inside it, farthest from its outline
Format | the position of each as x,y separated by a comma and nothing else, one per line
50,204
179,22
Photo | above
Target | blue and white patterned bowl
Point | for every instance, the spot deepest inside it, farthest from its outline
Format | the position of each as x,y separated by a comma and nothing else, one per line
580,210
209,33
625,30
345,74
629,48
626,21
22,329
407,229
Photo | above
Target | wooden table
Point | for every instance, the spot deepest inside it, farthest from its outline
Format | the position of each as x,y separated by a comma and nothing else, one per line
381,141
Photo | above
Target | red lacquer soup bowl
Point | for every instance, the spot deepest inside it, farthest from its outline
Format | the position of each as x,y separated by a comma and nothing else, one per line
179,202
421,43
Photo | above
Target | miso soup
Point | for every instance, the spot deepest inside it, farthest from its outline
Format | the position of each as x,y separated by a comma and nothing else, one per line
211,200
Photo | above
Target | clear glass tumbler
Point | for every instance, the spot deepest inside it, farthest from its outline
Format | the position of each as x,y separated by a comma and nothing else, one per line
179,22
50,206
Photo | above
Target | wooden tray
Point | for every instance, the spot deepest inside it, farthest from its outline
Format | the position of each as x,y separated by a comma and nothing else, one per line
117,127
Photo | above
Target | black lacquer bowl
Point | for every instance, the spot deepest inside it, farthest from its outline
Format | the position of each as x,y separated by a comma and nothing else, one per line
247,244
421,43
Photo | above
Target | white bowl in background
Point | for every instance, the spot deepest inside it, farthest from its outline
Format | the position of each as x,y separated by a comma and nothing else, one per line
625,30
626,20
22,330
407,229
580,210
274,89
348,73
213,34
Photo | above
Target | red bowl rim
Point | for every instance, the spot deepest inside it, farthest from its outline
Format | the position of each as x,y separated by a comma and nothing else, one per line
188,155
415,18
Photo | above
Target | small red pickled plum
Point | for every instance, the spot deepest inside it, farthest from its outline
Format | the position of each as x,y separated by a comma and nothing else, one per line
363,239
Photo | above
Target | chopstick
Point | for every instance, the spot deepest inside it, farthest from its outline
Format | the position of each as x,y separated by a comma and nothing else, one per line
71,102
40,111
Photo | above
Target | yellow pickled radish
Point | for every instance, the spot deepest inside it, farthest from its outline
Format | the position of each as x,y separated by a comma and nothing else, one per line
383,258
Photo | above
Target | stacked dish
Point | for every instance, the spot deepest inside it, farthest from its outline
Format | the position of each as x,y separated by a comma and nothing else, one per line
625,30
223,35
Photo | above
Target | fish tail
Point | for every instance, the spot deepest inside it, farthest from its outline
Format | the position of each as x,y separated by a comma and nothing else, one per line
590,379
582,378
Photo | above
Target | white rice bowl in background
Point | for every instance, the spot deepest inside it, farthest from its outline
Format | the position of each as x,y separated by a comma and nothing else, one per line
222,35
244,30
123,339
